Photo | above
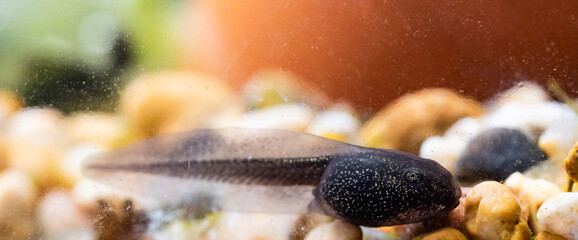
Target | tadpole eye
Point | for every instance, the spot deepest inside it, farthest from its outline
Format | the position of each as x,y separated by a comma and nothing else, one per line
413,176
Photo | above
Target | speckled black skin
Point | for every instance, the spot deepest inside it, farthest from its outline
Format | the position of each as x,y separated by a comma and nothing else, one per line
363,186
495,154
383,188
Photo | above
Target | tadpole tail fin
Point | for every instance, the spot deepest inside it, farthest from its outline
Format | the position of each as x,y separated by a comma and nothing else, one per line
233,169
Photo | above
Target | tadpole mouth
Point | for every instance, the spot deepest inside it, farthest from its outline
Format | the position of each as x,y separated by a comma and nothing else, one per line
455,198
458,192
451,198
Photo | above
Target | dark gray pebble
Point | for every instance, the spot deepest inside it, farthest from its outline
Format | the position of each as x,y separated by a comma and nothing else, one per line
495,154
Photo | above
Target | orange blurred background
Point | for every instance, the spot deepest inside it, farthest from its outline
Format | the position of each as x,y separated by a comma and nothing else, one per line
370,52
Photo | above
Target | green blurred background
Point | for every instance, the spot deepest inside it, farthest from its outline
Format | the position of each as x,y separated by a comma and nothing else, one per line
74,55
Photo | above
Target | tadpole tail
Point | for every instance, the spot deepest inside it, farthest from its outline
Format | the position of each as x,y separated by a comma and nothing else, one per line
247,170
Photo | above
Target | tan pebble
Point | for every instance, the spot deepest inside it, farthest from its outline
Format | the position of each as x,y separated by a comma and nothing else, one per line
571,163
39,161
73,159
234,225
405,123
338,123
275,87
10,103
403,232
444,234
336,230
551,171
493,212
4,149
60,216
531,193
177,101
523,92
305,223
86,192
17,197
36,143
378,234
35,124
105,129
559,137
287,116
546,235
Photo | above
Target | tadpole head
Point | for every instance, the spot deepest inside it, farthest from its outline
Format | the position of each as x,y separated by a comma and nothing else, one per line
384,188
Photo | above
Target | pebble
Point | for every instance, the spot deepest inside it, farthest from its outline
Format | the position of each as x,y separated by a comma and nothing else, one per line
493,212
545,235
227,225
559,137
522,92
73,158
104,129
376,234
338,123
305,223
444,234
571,163
276,87
400,232
446,149
551,171
405,123
528,108
17,199
336,230
287,116
164,102
526,190
86,192
530,118
36,142
496,153
34,125
231,225
559,214
61,218
10,103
